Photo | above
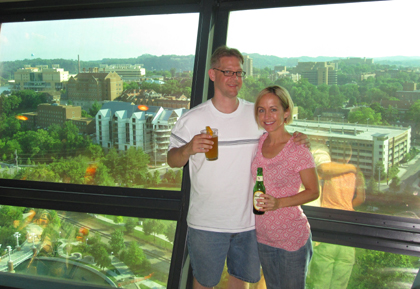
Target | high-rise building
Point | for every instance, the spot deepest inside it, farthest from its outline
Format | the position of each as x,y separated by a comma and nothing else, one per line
248,68
87,87
370,143
41,78
127,72
318,72
122,125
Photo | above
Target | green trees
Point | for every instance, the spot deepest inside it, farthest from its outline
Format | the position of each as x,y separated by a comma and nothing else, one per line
379,172
130,225
170,230
101,255
116,242
94,109
413,113
153,227
365,115
135,258
376,269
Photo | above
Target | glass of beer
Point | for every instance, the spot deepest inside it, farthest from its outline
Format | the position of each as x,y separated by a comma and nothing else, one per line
213,153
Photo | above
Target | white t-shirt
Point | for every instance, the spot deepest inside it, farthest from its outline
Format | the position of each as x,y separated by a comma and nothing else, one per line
221,190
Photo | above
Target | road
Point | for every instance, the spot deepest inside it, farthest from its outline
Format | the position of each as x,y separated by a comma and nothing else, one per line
160,259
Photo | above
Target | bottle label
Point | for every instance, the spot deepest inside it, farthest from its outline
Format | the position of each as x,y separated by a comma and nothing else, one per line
257,195
259,178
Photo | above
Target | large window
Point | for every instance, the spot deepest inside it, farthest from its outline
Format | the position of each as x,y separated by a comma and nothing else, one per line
351,82
93,101
91,89
106,250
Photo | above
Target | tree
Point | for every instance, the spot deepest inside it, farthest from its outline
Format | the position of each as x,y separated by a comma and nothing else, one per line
95,108
135,258
377,269
117,241
365,115
10,103
130,225
395,184
155,178
133,165
413,113
379,171
153,227
10,214
170,231
118,219
101,255
170,176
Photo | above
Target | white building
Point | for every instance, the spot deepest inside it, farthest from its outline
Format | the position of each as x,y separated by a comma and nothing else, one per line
122,125
127,72
41,78
370,144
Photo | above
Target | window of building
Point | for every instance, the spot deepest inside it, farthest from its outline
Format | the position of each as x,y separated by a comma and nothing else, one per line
156,57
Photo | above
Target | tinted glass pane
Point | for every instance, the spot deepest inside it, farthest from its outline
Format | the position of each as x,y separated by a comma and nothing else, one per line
356,96
107,250
334,266
93,101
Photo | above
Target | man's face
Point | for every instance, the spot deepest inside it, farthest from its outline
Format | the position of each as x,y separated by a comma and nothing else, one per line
227,86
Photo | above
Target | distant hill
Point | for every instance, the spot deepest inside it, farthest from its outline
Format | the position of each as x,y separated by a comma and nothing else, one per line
262,61
185,63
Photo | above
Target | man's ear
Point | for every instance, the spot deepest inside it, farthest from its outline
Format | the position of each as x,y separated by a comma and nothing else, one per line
212,74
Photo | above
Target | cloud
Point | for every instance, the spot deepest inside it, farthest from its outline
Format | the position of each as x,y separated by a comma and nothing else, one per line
37,36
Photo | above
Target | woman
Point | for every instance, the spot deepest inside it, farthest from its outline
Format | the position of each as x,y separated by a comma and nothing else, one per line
283,233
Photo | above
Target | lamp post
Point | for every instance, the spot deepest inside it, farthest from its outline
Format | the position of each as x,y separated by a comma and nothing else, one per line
367,122
17,235
10,263
33,242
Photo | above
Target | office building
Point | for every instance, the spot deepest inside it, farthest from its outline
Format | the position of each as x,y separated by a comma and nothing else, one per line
370,143
127,72
318,72
41,78
122,125
48,114
87,87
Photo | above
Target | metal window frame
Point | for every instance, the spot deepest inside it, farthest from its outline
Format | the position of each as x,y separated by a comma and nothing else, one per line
378,232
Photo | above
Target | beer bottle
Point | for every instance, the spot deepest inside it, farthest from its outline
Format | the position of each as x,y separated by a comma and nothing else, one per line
259,189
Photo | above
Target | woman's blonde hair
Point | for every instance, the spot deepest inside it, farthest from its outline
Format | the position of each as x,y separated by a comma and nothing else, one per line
285,101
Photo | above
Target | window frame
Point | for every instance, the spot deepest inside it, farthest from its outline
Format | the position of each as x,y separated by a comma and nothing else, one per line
363,230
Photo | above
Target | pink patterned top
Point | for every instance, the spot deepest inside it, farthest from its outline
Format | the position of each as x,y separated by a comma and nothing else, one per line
285,228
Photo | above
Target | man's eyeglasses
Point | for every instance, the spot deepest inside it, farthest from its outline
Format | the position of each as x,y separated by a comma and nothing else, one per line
231,73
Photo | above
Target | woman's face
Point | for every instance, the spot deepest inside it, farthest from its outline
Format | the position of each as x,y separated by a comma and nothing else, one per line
271,114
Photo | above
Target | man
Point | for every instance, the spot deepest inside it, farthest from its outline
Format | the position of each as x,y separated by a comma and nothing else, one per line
220,221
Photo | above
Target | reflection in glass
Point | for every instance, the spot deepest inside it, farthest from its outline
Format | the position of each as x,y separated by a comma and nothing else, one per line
360,96
99,249
97,106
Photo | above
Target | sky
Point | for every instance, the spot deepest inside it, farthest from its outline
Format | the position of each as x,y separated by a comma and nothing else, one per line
372,29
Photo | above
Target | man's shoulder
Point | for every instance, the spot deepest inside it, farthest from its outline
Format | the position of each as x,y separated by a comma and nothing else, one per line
197,110
246,103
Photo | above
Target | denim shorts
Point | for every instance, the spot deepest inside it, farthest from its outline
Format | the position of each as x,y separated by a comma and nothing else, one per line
209,250
285,269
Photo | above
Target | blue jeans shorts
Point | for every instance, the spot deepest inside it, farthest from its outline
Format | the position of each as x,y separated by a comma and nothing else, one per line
209,250
285,269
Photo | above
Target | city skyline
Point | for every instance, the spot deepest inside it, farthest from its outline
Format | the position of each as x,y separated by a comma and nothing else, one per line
335,30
